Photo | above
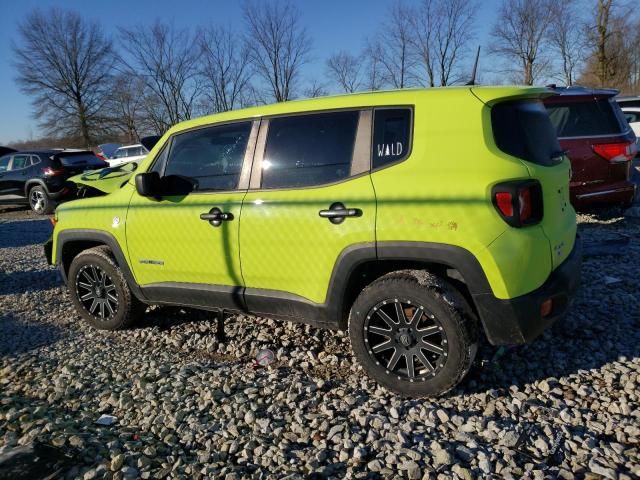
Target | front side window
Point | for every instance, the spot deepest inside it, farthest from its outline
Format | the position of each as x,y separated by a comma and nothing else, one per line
120,153
161,159
20,162
307,150
391,135
4,163
212,157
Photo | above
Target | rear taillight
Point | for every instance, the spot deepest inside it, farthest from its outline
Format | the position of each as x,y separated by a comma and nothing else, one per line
52,172
519,203
616,152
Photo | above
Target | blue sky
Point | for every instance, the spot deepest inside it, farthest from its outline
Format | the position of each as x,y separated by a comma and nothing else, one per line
333,25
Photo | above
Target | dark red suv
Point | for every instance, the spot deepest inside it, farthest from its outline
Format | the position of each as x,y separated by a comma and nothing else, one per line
599,142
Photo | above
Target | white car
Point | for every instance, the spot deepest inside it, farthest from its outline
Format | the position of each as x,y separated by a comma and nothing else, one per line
632,114
126,154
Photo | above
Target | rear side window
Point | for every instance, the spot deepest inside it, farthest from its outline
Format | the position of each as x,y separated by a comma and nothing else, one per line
584,118
211,156
20,162
523,129
391,135
306,150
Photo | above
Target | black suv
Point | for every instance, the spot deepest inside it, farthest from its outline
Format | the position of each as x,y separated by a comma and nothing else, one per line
39,177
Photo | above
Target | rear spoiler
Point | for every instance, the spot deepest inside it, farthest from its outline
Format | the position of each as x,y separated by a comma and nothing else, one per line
492,95
5,150
150,142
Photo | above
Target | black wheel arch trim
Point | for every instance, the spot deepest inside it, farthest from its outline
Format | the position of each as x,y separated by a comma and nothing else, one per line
452,256
288,306
33,182
100,237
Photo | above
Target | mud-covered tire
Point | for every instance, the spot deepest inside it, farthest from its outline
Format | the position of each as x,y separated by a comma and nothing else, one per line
95,272
444,311
39,201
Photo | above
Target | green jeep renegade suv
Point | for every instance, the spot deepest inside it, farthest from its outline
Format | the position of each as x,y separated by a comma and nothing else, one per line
417,219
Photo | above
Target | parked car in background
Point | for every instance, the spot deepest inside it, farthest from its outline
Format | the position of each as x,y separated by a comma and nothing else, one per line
106,150
628,101
39,177
632,115
599,142
126,154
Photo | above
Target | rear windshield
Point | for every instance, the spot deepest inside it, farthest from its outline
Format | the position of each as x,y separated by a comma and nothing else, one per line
587,118
73,159
522,129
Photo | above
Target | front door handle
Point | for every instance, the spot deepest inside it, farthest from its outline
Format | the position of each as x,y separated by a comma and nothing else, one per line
216,216
338,212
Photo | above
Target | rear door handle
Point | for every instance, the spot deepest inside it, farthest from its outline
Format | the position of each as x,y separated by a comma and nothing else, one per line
216,216
338,212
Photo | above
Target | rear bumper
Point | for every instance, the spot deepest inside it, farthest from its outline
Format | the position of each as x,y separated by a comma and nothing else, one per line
619,193
518,320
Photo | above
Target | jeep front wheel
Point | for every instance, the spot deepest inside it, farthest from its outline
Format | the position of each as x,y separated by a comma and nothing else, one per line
413,333
100,292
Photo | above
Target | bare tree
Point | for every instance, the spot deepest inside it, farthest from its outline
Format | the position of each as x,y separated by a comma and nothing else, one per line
603,32
372,68
443,31
168,61
126,106
315,89
278,44
64,63
225,68
520,33
567,38
393,48
612,60
346,70
634,78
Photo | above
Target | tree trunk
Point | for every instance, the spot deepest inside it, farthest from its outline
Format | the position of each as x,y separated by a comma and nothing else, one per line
528,73
84,127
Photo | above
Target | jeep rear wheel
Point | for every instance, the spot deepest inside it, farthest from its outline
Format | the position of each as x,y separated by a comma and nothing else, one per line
413,333
39,201
100,292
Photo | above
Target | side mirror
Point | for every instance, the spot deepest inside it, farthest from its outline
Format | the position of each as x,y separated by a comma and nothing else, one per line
148,184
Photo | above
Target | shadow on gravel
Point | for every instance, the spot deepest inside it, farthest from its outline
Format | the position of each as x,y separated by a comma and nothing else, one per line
18,336
559,352
24,233
28,281
13,208
168,317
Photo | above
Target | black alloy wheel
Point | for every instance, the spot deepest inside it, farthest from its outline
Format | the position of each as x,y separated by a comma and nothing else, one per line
96,292
406,339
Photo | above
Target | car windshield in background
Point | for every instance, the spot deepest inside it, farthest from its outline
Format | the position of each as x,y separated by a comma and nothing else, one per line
523,129
587,118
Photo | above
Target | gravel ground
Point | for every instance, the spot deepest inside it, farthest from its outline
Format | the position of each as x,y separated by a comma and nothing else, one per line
565,406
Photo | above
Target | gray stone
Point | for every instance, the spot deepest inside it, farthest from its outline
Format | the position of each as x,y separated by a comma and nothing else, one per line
117,462
375,465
